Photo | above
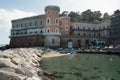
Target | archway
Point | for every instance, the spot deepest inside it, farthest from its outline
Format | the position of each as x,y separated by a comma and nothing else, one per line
87,43
70,43
79,42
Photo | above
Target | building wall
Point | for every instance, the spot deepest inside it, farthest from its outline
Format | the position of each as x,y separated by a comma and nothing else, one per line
51,30
115,29
27,41
65,25
52,41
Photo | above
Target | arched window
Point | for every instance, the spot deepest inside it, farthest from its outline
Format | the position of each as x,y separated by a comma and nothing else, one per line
48,30
79,42
78,34
66,33
56,21
41,32
66,28
48,20
84,34
56,30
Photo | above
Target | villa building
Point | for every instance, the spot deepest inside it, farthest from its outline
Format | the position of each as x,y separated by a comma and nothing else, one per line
115,29
51,30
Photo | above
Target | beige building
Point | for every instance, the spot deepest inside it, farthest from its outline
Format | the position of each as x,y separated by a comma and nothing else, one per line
51,30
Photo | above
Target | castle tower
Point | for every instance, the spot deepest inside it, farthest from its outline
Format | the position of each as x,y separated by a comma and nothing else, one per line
52,19
52,33
65,25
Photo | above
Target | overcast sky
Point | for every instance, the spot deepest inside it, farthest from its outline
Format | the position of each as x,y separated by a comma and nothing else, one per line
13,9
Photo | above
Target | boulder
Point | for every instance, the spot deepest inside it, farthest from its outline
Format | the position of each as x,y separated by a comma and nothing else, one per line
21,64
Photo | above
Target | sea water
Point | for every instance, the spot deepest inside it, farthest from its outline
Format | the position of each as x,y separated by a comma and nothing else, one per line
84,67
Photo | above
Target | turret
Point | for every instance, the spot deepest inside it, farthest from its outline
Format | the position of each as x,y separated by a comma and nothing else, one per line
52,18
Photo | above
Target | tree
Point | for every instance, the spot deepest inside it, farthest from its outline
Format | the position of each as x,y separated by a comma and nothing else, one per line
87,15
106,16
75,16
97,15
90,16
64,13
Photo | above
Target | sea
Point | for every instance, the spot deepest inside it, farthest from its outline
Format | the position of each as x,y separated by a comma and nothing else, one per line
2,45
83,67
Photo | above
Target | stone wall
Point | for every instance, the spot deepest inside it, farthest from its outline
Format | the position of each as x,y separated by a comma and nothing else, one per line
27,41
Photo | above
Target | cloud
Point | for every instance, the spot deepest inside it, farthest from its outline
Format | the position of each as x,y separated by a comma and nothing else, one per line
81,5
5,22
7,15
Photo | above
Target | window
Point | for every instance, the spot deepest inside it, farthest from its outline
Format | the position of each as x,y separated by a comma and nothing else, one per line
48,12
89,34
84,34
56,30
48,20
12,26
35,32
21,25
13,33
88,28
98,34
41,23
41,32
84,28
35,23
66,33
17,33
78,34
25,32
25,24
48,30
30,32
66,28
30,23
21,33
53,41
56,21
17,25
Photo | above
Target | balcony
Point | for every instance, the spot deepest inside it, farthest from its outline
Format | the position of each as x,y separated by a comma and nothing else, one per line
52,33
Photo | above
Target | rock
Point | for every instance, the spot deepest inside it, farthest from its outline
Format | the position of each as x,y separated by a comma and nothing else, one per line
6,62
5,75
7,69
21,64
36,78
16,60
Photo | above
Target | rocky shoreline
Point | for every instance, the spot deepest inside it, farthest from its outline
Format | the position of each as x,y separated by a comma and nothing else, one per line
21,64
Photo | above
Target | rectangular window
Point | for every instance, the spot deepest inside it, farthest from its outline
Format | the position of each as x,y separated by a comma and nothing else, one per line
53,41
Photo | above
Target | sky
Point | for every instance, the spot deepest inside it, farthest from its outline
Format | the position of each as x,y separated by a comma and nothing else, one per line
14,9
